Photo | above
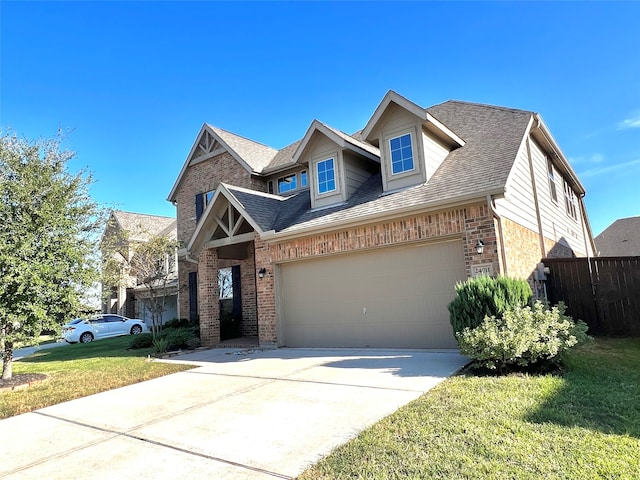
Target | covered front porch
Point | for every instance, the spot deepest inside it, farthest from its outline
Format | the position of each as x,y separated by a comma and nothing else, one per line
231,285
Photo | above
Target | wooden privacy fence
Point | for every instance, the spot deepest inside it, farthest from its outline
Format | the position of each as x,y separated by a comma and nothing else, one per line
602,291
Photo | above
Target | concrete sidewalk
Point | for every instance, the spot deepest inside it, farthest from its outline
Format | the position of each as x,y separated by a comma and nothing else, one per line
242,414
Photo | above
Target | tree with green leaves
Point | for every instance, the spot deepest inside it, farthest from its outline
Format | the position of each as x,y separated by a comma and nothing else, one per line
144,260
49,228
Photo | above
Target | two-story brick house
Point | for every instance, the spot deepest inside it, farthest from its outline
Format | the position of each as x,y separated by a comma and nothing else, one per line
357,240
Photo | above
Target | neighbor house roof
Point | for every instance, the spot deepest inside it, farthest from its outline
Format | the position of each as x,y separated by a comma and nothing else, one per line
620,239
141,227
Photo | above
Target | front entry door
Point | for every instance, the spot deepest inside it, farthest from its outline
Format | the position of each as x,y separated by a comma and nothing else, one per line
229,283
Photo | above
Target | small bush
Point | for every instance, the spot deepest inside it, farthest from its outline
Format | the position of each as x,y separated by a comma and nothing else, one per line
160,345
485,296
178,338
143,340
179,323
522,337
193,343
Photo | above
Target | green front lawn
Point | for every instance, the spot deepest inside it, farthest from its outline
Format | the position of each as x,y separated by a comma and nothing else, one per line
79,370
584,424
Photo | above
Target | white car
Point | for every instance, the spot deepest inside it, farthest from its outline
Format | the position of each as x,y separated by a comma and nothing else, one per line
101,326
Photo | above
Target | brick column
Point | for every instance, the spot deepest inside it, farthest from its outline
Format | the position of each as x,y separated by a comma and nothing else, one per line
208,297
266,296
479,225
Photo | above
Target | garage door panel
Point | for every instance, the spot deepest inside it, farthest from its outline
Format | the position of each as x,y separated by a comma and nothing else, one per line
393,297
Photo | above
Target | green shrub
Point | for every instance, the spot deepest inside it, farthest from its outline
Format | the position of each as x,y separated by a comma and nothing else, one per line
143,340
485,296
522,337
160,345
179,323
178,338
193,343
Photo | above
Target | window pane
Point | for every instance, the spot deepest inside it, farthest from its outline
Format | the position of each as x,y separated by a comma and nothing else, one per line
326,176
303,178
401,154
287,184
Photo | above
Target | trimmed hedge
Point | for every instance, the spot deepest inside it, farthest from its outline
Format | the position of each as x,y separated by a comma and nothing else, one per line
485,296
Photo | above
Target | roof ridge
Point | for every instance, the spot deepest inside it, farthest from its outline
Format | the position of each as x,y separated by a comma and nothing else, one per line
143,214
485,105
213,127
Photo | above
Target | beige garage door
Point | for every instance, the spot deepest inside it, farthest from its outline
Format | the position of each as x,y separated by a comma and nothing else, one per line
391,297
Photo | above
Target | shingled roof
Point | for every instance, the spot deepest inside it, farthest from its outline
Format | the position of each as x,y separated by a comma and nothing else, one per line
620,239
492,135
141,227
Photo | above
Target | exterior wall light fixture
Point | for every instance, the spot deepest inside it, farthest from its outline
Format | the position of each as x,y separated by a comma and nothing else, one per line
261,272
480,247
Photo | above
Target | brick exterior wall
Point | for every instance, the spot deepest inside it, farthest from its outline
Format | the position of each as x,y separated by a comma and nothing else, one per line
266,295
208,297
523,249
203,177
469,223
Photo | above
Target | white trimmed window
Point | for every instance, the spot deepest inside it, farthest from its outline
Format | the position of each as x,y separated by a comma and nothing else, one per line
303,179
326,176
570,201
287,184
552,182
401,154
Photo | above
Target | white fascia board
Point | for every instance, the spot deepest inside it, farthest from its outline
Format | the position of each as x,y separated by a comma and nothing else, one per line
187,162
185,165
559,155
398,99
444,129
341,142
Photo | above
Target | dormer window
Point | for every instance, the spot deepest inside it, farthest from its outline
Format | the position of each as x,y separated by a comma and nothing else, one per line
326,176
287,184
401,154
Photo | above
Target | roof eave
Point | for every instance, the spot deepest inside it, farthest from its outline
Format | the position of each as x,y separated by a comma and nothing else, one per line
272,235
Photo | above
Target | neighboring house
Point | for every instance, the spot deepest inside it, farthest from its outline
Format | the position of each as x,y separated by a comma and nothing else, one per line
357,240
127,228
620,239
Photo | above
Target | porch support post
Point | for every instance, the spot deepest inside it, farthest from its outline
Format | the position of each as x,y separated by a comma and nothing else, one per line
208,297
266,296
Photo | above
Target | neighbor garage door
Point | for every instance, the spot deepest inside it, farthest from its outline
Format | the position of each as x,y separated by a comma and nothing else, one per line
392,297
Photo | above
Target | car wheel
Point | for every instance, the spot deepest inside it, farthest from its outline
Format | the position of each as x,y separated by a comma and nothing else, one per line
86,337
136,329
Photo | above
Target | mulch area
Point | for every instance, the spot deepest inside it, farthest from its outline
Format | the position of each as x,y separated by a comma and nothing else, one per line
21,380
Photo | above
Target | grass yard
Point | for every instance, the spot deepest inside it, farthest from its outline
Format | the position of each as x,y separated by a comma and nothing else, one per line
584,424
79,370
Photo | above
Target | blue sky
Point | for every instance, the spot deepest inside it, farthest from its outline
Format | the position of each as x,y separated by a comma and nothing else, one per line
135,81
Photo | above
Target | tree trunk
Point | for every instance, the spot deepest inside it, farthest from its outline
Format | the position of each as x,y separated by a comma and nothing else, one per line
7,359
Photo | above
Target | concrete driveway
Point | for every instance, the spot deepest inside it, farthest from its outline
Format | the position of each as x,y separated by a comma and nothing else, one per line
241,414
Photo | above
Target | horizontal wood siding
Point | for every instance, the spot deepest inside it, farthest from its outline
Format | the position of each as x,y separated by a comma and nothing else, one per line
556,224
518,203
607,297
434,153
357,171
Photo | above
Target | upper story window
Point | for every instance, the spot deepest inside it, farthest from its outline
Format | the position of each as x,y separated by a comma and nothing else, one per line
552,182
401,154
303,179
202,200
570,201
326,176
287,184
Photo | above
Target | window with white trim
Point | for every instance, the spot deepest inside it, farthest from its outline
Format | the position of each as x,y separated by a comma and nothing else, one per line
552,181
326,175
401,152
570,201
303,179
287,184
